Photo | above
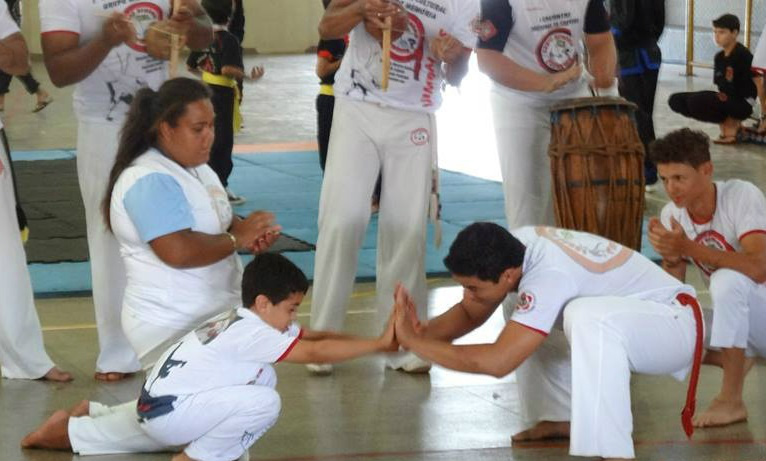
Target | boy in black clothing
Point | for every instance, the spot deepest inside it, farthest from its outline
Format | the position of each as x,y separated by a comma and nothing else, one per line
221,66
736,90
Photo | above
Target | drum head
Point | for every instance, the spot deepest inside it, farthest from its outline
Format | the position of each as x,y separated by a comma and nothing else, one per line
583,103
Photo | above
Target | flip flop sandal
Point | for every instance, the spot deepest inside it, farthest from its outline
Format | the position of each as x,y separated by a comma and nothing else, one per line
42,105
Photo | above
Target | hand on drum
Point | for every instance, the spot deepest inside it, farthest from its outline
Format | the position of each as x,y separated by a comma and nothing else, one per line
257,232
118,29
446,48
669,243
559,79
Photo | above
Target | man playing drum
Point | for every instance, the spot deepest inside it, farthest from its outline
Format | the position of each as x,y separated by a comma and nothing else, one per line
620,313
720,226
532,53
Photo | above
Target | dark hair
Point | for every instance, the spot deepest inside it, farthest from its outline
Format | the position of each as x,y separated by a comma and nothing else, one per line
139,132
727,21
219,10
687,146
484,250
274,276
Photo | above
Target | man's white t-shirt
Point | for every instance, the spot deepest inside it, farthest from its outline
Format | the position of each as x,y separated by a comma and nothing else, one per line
560,265
228,350
416,77
740,210
8,27
106,94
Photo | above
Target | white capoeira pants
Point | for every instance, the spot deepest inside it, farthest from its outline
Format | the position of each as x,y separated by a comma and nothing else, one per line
739,312
115,429
365,140
22,353
523,133
220,424
96,150
609,337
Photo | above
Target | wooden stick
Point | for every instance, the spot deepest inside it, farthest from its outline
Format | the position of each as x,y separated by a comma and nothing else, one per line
386,54
175,45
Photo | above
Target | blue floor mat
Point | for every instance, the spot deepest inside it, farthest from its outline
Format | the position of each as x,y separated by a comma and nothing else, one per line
288,184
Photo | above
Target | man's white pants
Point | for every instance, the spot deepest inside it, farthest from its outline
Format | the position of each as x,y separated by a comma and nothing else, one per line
96,150
523,133
609,338
220,424
365,140
739,312
22,353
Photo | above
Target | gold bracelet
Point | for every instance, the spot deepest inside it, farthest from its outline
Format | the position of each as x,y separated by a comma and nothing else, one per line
233,240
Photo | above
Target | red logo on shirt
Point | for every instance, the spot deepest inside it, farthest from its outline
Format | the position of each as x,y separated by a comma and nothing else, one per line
419,137
485,30
525,303
557,50
712,239
142,15
409,46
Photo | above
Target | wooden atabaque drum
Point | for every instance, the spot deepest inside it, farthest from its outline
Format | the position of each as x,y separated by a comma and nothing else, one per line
597,168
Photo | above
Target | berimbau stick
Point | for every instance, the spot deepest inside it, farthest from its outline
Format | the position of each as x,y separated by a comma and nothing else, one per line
175,45
386,54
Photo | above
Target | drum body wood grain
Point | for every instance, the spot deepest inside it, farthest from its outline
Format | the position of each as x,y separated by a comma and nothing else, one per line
597,168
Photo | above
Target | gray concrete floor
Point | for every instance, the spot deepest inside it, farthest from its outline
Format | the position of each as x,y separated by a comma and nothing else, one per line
362,412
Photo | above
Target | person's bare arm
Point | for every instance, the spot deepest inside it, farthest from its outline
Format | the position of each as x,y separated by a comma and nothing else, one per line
751,261
14,56
343,15
507,72
68,62
676,268
326,67
602,58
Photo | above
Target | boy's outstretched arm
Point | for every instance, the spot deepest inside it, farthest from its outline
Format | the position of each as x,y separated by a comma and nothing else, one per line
328,347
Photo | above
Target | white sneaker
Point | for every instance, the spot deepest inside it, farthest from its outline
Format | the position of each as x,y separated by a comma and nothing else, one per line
408,363
235,199
319,369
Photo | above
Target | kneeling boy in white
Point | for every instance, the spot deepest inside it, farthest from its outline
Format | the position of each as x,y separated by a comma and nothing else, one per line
213,391
620,312
720,226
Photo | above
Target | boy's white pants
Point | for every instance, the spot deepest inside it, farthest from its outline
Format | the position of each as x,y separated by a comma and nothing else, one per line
523,133
365,140
609,337
22,353
220,424
739,312
96,151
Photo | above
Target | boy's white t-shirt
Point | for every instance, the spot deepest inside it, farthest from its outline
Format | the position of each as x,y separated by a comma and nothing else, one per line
228,350
561,265
416,77
106,94
740,210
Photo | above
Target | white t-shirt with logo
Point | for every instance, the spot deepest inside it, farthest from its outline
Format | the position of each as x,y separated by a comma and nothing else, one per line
416,77
153,197
740,210
560,265
106,94
228,350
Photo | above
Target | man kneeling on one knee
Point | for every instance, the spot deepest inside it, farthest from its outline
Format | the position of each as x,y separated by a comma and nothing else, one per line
619,311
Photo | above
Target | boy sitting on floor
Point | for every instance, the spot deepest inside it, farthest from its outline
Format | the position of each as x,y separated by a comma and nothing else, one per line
213,391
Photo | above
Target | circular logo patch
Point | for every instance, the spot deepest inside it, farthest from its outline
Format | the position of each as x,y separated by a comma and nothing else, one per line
714,240
419,137
142,15
557,50
525,303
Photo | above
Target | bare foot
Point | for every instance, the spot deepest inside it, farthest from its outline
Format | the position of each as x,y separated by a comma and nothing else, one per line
81,409
52,434
544,430
721,413
57,375
181,457
111,376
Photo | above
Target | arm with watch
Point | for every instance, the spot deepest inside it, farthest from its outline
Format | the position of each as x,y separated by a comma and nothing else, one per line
187,248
